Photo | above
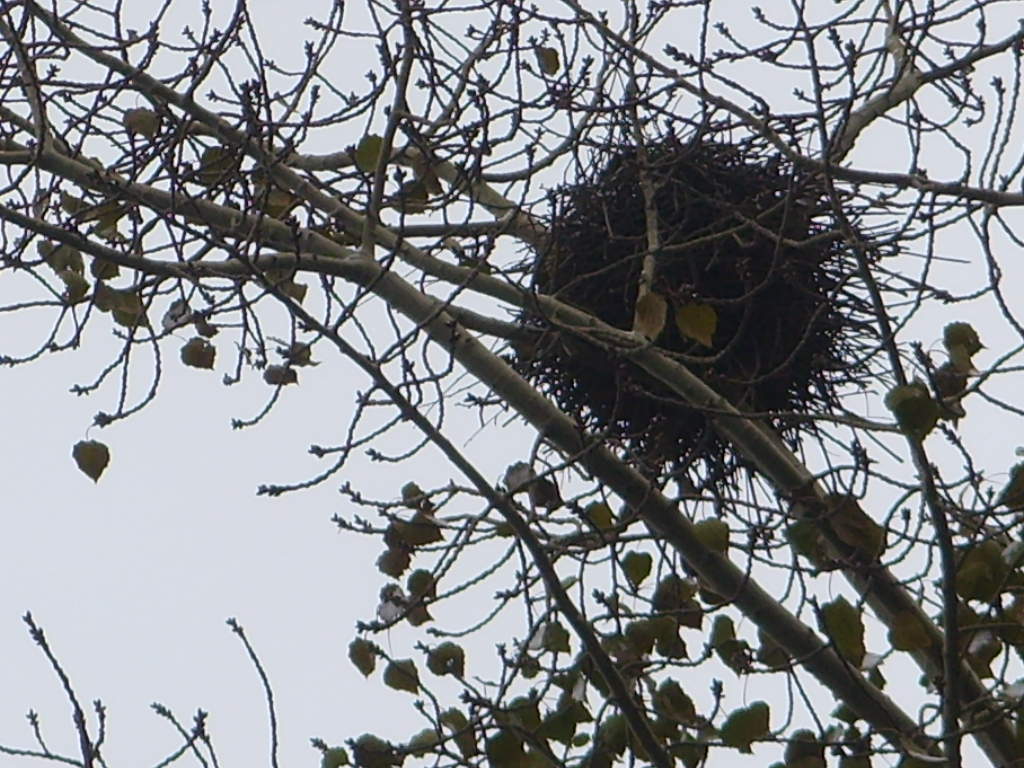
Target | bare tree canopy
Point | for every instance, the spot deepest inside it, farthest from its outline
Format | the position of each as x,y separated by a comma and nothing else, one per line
734,269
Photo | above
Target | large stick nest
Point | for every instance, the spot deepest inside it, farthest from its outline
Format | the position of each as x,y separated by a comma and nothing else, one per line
738,232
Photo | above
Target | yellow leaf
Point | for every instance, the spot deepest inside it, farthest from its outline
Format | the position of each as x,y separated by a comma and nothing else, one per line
368,153
907,633
275,202
697,322
649,317
216,165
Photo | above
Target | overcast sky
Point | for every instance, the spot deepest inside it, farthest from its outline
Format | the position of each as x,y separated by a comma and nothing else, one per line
132,578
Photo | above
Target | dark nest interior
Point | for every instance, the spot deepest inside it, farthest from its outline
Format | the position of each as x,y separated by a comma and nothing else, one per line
740,233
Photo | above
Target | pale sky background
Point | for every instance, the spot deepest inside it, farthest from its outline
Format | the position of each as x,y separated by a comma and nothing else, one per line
133,578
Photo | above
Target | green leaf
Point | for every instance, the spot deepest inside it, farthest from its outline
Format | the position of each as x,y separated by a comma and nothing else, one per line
521,712
421,530
600,515
845,713
411,197
125,305
393,561
806,540
637,567
547,59
423,742
363,654
420,584
713,534
672,702
61,257
505,750
843,623
75,286
854,527
447,659
674,595
613,734
92,457
915,411
555,638
770,653
334,757
413,496
734,653
982,572
1012,495
462,732
101,269
962,335
668,643
698,322
690,751
641,634
907,633
745,726
982,650
370,751
368,152
402,676
274,201
804,750
559,725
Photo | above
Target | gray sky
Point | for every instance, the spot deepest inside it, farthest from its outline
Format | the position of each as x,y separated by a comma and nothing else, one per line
133,578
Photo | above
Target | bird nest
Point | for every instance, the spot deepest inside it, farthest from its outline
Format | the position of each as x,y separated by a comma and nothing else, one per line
763,302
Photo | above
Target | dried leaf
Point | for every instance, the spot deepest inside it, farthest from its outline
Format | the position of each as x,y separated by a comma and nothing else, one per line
217,164
142,121
649,318
92,457
547,59
198,353
280,375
